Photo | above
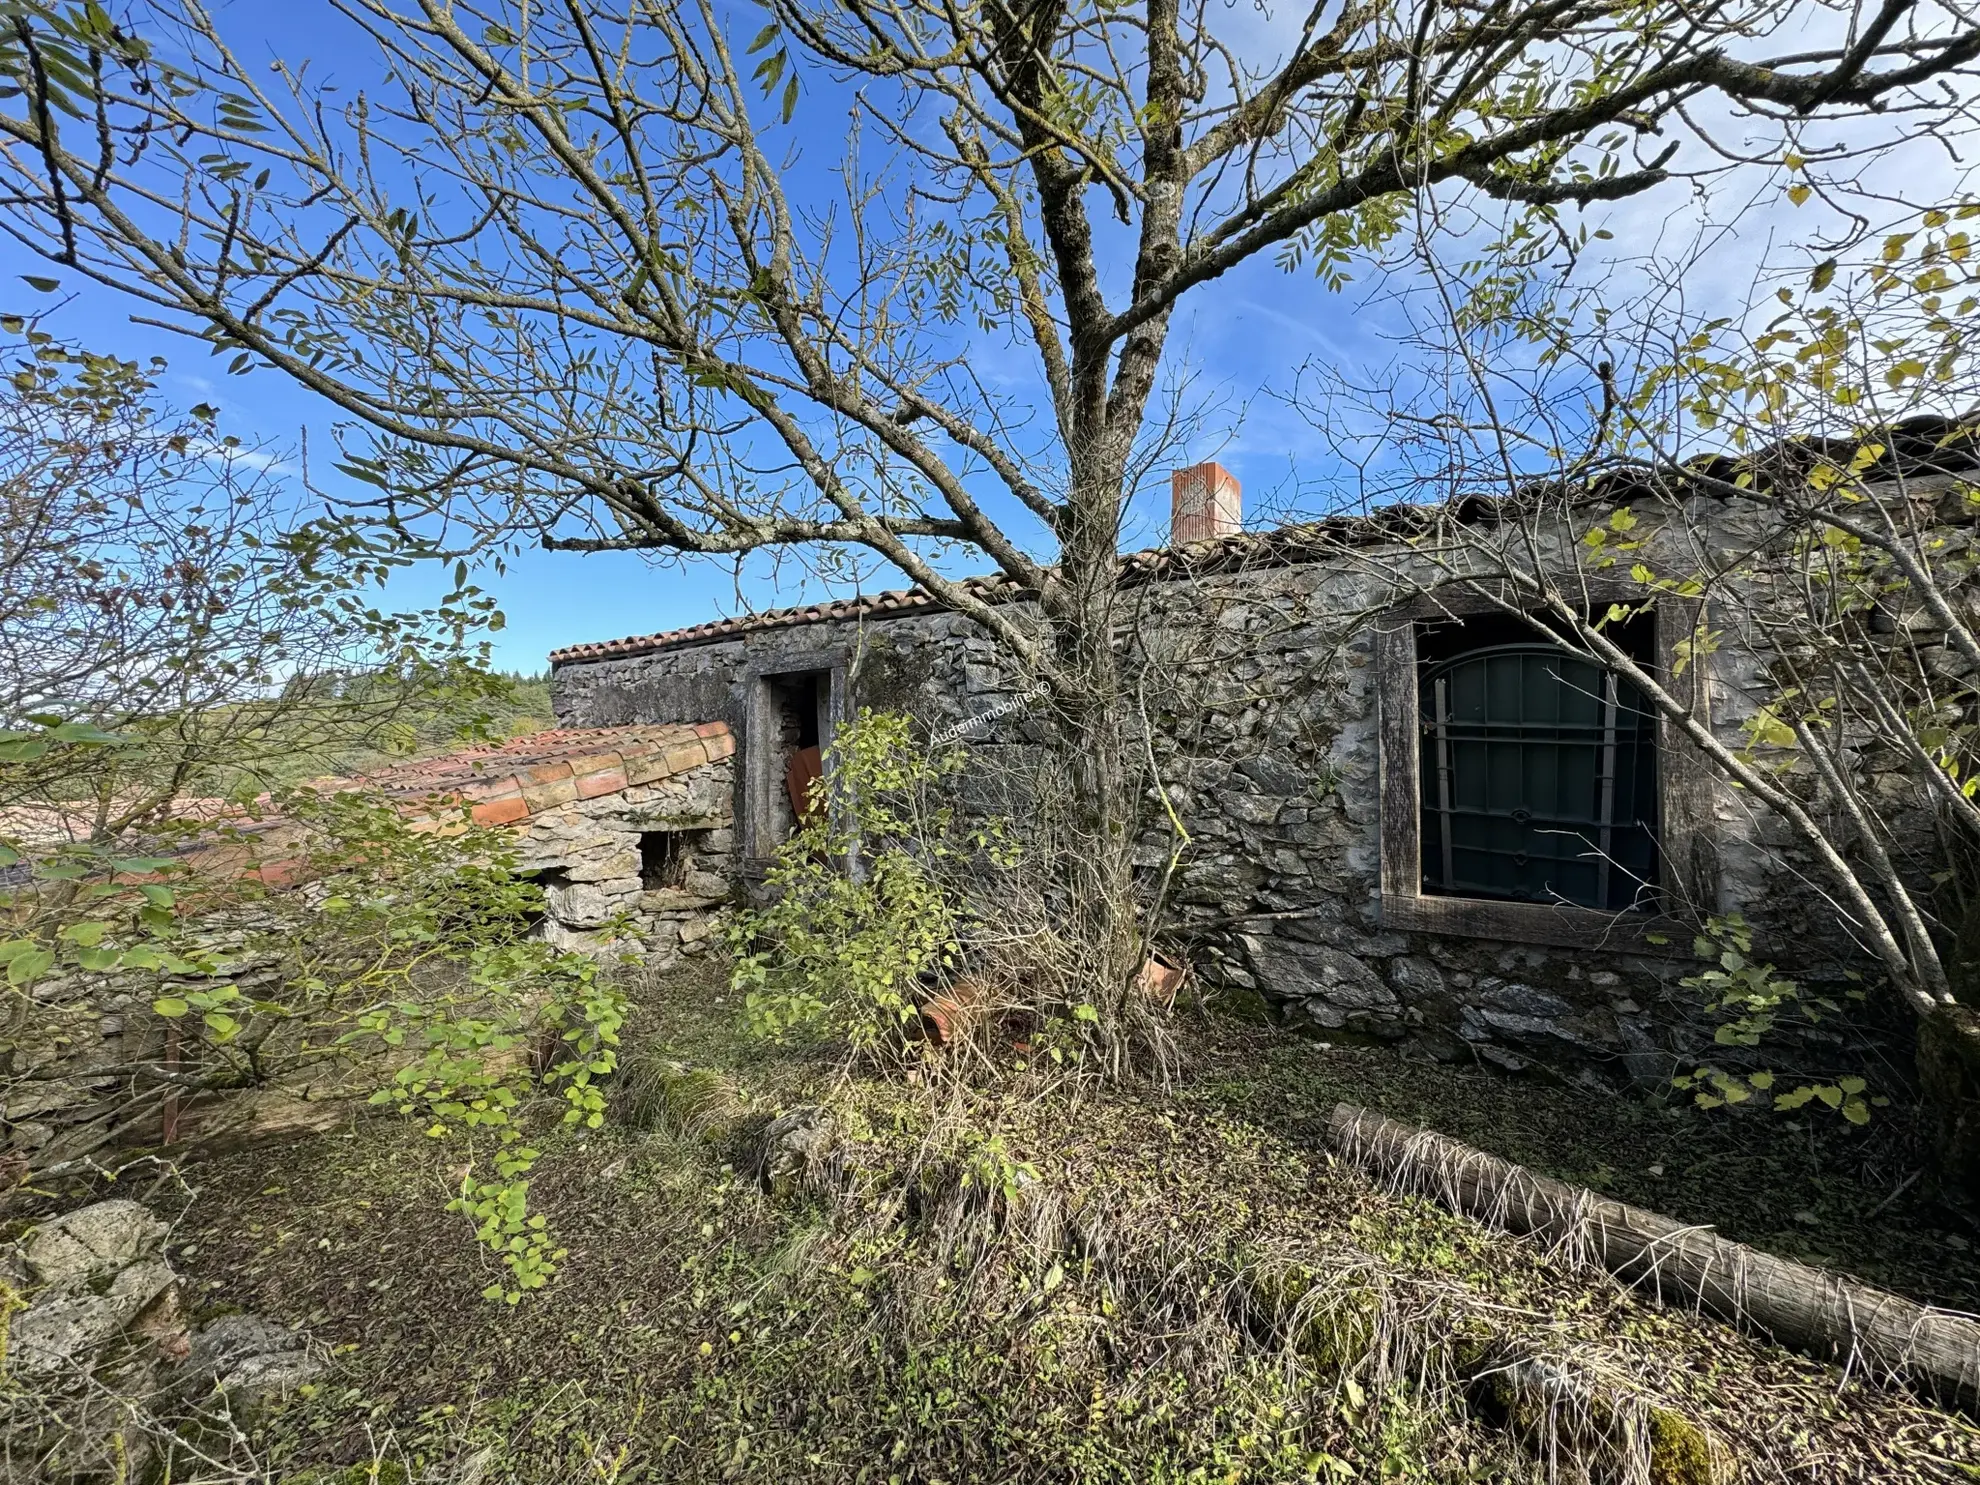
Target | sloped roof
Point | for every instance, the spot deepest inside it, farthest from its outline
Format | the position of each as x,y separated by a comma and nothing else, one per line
1278,547
893,601
1925,444
504,784
508,782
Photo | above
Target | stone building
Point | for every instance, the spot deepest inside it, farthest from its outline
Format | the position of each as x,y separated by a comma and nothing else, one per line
1411,816
628,830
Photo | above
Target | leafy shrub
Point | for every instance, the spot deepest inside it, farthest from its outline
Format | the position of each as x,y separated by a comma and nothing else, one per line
864,906
1752,998
402,961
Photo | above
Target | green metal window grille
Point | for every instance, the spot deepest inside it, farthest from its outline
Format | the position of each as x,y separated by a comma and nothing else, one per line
1539,780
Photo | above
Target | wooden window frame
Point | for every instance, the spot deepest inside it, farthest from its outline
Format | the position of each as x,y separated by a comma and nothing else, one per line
1685,855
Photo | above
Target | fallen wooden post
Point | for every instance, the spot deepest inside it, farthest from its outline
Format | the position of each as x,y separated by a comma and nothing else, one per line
1829,1317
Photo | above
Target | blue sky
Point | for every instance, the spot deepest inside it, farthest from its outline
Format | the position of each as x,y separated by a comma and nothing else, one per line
1237,336
1240,341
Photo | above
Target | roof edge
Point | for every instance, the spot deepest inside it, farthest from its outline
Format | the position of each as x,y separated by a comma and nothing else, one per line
1925,444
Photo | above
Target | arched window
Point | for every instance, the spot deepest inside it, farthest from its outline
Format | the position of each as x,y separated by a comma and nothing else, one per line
1539,779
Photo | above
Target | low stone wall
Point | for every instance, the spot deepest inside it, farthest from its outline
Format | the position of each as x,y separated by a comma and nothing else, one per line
671,901
104,1359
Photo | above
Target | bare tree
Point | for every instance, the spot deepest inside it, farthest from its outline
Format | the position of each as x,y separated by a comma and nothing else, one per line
162,588
171,625
555,270
1797,488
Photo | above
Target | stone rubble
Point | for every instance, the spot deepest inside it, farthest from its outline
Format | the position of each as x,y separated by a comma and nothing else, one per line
102,1355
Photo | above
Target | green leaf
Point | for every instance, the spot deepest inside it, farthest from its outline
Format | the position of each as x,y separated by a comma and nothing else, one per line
86,935
41,285
1054,1277
83,732
170,1006
362,473
24,969
140,866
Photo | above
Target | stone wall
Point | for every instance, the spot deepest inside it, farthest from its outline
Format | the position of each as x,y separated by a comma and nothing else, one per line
1267,704
587,856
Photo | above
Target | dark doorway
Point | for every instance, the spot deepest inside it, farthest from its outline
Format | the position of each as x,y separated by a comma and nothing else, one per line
795,714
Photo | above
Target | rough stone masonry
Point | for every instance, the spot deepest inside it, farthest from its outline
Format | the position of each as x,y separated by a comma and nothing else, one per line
1275,655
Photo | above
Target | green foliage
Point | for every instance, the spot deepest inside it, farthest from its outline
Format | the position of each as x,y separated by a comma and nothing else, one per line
405,960
89,908
1752,998
439,967
180,631
989,1165
860,908
473,1075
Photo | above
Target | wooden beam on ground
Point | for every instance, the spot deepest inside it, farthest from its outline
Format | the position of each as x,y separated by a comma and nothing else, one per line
1829,1317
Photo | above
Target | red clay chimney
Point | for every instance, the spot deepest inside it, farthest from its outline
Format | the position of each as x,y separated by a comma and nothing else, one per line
1203,503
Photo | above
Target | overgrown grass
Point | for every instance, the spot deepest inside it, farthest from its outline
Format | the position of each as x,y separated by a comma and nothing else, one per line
1811,1187
1019,1281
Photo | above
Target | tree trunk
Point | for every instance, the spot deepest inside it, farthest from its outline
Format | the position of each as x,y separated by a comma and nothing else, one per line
1103,749
1100,753
1949,1083
1949,1068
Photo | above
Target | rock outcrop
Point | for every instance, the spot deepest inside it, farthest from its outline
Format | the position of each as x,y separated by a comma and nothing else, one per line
102,1361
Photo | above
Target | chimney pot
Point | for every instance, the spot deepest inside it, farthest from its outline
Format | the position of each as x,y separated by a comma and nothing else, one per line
1204,504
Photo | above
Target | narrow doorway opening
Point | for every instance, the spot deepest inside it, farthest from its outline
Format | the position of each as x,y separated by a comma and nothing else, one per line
797,733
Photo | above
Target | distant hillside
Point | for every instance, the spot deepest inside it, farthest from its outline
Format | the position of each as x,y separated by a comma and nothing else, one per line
514,704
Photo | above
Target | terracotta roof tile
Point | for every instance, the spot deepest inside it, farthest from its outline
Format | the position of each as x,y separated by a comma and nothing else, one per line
508,782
